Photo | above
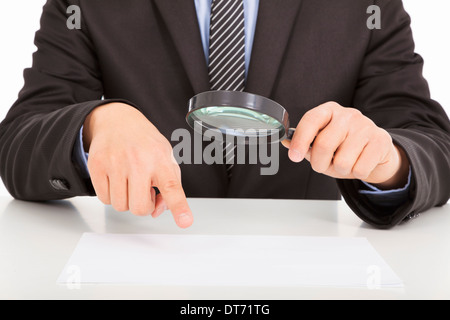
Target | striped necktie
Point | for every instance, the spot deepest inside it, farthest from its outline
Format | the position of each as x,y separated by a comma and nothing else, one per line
227,54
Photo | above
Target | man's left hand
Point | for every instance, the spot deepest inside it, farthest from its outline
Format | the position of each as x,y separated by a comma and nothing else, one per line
348,145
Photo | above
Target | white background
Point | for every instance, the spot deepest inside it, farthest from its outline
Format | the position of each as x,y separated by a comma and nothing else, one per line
19,20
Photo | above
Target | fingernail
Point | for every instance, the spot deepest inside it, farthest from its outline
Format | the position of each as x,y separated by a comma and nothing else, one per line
295,155
184,220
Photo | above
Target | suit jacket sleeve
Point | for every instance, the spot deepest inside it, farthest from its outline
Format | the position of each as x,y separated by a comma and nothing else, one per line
38,134
392,92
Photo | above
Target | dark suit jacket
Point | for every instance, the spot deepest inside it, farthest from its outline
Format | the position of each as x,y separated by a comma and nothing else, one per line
149,54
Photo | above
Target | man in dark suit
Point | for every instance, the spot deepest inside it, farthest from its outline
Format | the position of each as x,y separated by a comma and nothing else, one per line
118,87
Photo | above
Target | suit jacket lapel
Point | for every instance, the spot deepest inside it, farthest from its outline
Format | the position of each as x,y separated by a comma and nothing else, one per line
181,20
273,28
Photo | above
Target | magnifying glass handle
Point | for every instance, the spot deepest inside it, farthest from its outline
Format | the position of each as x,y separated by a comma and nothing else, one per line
290,133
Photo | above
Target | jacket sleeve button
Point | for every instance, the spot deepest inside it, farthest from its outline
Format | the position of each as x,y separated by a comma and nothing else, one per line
59,184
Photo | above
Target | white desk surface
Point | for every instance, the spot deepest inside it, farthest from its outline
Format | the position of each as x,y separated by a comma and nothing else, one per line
37,239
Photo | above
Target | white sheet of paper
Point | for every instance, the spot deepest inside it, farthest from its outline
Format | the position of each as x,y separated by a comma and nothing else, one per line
220,260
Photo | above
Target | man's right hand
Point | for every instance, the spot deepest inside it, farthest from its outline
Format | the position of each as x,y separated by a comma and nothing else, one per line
128,156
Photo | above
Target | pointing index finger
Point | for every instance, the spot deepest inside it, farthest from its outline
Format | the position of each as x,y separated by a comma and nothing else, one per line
169,185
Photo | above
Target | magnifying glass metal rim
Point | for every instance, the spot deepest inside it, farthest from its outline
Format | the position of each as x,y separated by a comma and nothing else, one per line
238,99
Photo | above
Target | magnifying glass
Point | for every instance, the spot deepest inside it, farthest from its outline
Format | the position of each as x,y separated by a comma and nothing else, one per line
239,114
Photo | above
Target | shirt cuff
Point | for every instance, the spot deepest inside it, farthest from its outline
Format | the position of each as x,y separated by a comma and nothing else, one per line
80,156
387,198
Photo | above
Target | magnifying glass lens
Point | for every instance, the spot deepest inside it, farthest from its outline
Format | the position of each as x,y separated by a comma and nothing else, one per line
237,121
